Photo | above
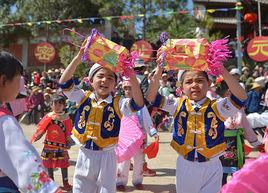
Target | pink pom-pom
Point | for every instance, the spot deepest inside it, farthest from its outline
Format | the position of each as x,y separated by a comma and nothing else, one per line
128,67
218,53
253,177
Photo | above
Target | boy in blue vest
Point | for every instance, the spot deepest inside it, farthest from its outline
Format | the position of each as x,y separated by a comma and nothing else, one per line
198,134
97,125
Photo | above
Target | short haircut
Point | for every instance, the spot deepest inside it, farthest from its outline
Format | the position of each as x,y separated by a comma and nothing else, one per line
203,73
10,66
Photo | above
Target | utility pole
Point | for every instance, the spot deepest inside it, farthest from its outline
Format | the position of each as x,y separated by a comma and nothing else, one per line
238,35
259,16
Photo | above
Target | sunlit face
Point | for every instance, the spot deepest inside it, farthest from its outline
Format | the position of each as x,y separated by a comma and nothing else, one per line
58,107
195,85
9,88
127,91
164,78
237,77
103,82
246,72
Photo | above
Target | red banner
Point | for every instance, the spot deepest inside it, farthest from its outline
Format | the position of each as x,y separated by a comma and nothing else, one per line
144,49
45,52
258,49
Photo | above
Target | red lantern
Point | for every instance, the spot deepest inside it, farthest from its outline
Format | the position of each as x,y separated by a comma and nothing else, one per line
250,17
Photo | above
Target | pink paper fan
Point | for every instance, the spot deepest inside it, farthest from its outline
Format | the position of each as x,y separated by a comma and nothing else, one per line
130,138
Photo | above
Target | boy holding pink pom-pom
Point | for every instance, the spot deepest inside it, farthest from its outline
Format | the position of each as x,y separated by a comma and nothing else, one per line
198,134
97,125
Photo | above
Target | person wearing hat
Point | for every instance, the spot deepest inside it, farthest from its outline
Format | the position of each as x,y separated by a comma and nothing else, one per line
52,81
246,79
57,126
165,88
36,104
198,131
146,126
140,68
97,124
253,104
237,74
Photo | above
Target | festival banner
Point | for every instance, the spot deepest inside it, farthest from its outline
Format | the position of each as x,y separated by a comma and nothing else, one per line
258,49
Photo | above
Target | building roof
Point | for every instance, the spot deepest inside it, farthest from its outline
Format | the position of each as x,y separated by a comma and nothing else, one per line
225,20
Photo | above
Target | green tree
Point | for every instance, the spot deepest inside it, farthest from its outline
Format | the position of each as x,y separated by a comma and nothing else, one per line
67,53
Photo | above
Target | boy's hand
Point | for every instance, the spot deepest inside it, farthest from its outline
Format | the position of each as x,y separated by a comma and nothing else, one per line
160,56
82,49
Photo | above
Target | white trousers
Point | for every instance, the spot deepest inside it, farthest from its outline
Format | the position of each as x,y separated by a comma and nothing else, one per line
123,170
198,177
95,171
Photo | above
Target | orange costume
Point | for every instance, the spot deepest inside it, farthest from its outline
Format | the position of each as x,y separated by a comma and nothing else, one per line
58,130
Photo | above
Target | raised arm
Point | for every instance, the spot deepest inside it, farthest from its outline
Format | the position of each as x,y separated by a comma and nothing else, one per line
137,94
69,71
234,86
154,85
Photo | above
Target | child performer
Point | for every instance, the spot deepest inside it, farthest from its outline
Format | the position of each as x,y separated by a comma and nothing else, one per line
198,134
123,168
97,125
20,165
58,126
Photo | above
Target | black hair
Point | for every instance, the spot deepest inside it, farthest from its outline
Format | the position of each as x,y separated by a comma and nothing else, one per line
203,73
221,88
10,66
58,98
139,69
115,76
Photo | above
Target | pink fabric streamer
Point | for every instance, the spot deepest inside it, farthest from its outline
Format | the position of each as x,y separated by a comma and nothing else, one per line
128,68
218,53
253,177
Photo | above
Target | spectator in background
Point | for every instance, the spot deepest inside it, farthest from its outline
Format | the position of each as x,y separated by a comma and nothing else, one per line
245,77
36,104
260,71
140,68
254,99
237,74
165,88
36,78
52,82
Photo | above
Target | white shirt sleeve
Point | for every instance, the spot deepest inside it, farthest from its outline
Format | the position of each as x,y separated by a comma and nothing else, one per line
226,108
125,107
170,105
20,161
75,94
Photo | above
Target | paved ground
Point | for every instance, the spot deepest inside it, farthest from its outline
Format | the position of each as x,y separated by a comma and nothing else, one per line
164,165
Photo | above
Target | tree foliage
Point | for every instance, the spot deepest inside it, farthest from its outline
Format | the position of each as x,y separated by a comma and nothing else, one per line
155,16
